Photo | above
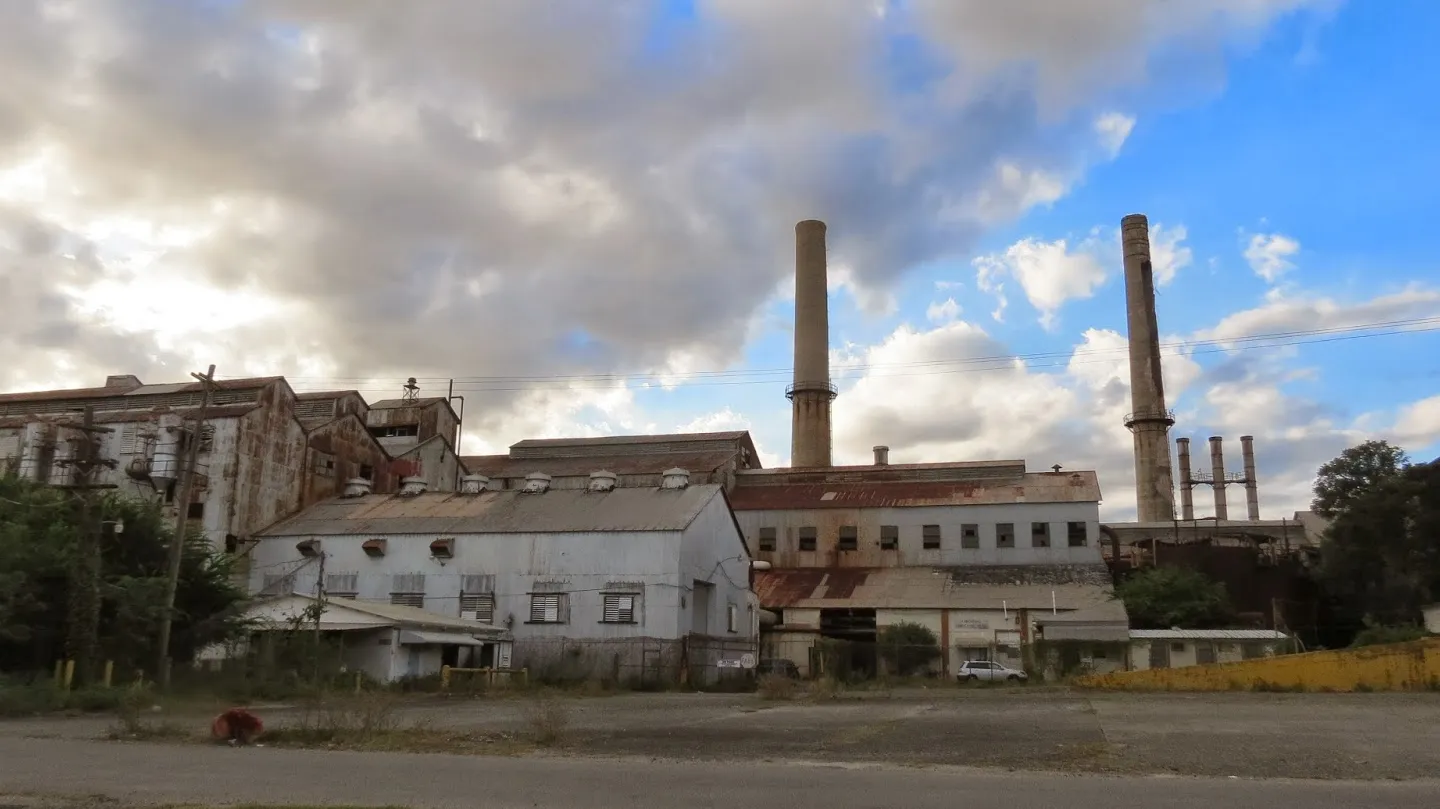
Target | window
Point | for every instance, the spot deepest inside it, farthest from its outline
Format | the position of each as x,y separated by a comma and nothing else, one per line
619,608
807,538
1075,532
278,584
324,465
477,597
398,431
1225,647
367,471
1040,534
889,537
408,589
1005,535
970,536
342,585
1177,647
849,538
128,440
767,539
547,608
930,537
196,511
732,618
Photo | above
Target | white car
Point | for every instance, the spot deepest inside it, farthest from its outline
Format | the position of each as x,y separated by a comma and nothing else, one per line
985,670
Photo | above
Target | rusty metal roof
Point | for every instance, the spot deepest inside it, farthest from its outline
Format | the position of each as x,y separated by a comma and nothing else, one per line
507,512
733,435
1045,487
325,394
395,404
143,390
918,588
503,466
129,416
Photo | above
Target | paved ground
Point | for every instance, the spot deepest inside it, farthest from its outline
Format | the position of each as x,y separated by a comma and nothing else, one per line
141,773
1357,736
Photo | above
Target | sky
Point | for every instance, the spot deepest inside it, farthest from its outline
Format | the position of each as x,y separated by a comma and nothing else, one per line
582,214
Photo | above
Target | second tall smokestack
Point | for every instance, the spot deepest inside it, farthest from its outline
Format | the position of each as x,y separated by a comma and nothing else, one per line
811,392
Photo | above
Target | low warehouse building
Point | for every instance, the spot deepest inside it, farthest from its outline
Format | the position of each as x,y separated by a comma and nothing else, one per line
605,582
1176,648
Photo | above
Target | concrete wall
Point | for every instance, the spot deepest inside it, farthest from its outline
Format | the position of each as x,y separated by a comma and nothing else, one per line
910,521
1432,619
339,451
1396,667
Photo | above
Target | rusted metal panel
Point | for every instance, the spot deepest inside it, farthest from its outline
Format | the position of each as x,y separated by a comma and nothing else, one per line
226,392
920,588
697,463
1067,487
432,416
341,450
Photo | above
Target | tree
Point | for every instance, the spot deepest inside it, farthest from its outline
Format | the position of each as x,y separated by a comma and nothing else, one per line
1356,471
1165,597
1381,554
39,532
907,648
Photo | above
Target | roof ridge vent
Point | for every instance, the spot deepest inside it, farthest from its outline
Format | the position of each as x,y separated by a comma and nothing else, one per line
412,486
356,487
603,481
473,484
536,483
675,478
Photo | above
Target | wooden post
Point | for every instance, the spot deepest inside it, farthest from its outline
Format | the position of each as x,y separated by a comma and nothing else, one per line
444,678
357,682
109,672
69,674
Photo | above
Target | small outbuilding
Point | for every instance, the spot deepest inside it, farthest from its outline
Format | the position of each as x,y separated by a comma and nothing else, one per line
1175,648
387,641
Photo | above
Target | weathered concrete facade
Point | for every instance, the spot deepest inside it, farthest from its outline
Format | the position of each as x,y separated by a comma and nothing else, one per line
636,460
811,391
1149,420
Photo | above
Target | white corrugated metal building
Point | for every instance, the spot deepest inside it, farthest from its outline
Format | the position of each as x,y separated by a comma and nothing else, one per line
1174,648
606,580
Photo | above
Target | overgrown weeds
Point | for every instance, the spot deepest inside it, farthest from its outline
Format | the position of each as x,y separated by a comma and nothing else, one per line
776,687
341,719
548,719
827,689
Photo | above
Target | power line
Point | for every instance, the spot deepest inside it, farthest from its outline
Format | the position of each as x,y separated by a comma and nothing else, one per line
983,364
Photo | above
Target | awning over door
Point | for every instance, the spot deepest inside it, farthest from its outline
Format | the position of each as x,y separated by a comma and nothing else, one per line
417,638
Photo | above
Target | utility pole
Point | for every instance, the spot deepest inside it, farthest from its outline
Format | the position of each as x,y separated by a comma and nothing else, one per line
82,642
319,612
177,542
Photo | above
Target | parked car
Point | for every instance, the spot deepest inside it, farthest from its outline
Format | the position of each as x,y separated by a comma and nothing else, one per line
986,670
778,665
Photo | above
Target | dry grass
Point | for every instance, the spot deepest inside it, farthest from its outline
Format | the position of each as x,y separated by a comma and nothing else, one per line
827,689
548,719
776,687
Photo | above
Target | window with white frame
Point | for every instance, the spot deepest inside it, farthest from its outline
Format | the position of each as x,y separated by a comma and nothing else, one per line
619,608
732,618
342,585
278,584
547,608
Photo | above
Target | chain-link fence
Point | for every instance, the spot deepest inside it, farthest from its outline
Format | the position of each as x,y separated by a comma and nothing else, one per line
638,663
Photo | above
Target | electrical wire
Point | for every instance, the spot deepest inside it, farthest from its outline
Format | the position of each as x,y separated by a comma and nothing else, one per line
982,364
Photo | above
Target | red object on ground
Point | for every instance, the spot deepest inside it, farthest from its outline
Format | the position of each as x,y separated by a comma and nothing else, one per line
237,725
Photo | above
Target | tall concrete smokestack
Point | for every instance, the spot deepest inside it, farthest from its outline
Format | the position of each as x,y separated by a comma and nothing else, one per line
1187,504
1149,420
811,392
1217,473
1252,487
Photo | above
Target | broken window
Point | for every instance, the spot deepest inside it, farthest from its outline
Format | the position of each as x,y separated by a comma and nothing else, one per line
807,538
1040,534
1005,535
324,464
1075,532
970,536
196,511
278,584
849,538
889,537
767,539
408,589
930,537
619,608
477,597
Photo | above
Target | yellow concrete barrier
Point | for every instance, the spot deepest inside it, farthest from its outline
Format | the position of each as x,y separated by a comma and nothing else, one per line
1413,666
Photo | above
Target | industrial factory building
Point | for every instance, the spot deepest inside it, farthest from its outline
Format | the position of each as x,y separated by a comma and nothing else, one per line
264,453
639,583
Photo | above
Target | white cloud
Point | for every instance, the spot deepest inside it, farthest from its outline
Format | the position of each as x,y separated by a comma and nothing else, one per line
1049,273
1418,424
943,311
1113,129
1168,255
1269,255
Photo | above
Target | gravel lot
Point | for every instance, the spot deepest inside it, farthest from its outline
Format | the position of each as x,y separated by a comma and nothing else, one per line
1323,736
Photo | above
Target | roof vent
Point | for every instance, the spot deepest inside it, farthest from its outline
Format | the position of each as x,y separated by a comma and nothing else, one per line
676,478
356,487
308,548
473,484
882,455
603,481
411,486
536,482
126,381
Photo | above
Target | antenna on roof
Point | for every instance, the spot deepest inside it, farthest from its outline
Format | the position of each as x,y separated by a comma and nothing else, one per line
412,391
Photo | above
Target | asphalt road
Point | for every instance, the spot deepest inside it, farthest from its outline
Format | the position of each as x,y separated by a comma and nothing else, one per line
139,773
